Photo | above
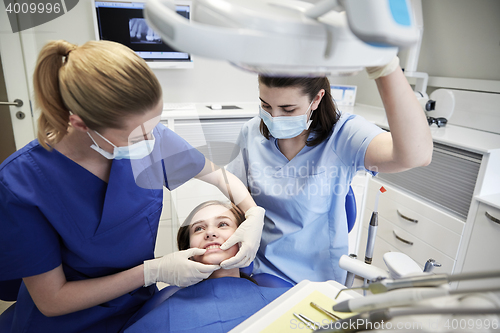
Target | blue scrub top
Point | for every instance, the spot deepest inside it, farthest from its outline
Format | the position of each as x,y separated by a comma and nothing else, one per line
305,229
211,306
53,212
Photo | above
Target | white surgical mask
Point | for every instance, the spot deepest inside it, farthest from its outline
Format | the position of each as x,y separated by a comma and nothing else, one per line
285,127
135,151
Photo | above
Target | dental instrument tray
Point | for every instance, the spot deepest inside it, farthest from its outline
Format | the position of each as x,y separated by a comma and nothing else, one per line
278,316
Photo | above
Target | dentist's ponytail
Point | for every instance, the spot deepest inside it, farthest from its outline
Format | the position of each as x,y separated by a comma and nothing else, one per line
102,82
54,117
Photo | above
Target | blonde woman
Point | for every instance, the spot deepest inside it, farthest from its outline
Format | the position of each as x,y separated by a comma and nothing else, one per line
80,206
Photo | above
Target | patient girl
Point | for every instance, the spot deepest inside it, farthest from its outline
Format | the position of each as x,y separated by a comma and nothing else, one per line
208,226
214,305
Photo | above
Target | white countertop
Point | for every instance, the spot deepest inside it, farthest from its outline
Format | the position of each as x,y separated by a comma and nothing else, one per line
452,135
492,200
201,111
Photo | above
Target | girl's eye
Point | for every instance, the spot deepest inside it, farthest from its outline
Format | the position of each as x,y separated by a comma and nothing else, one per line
223,224
289,111
197,229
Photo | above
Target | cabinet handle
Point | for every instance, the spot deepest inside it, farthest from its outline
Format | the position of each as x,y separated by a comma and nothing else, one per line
402,239
492,218
406,217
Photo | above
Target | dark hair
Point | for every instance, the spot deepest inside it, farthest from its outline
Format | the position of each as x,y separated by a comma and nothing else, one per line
183,233
323,118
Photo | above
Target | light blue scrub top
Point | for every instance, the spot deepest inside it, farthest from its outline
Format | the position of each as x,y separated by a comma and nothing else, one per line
305,230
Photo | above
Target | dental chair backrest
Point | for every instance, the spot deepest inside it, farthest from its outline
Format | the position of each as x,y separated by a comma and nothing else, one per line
350,209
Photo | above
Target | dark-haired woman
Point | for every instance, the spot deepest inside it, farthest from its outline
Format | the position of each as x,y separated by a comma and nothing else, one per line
299,157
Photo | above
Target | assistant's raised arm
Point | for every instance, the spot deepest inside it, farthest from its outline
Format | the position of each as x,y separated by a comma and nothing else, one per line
409,142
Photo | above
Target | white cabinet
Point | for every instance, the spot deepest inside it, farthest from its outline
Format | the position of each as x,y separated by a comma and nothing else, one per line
484,246
445,197
412,226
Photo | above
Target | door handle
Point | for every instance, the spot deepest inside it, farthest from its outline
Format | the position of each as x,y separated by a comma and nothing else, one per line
406,217
492,218
402,239
17,102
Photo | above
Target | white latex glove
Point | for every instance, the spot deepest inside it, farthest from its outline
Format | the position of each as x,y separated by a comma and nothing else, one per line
248,235
177,269
379,71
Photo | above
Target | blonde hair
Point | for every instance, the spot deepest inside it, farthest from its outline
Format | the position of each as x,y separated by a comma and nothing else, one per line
102,82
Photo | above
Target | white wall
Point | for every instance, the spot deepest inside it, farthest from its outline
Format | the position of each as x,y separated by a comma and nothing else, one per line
461,40
209,80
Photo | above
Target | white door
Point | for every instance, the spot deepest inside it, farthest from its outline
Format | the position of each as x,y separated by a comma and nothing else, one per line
18,129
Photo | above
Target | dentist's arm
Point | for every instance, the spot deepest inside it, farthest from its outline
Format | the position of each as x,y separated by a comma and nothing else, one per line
249,232
409,142
228,184
55,296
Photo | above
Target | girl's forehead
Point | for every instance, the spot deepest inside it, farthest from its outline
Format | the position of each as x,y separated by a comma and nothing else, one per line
211,212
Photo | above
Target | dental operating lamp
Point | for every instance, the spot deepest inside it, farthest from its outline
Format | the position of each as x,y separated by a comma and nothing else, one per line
289,37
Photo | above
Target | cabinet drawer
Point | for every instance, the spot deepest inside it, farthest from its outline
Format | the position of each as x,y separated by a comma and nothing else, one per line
418,250
437,228
484,246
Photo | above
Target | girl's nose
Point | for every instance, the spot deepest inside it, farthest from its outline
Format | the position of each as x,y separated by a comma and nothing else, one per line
210,234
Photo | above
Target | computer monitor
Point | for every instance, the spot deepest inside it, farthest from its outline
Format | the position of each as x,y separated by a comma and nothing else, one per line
124,22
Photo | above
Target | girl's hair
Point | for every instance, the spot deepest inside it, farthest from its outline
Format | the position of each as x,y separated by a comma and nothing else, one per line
102,82
323,118
183,233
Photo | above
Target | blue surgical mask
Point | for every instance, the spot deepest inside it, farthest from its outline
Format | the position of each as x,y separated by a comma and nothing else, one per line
135,151
285,127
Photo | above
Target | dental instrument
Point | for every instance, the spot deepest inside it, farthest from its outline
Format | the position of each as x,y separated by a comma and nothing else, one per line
372,229
365,321
306,321
272,36
399,298
326,312
383,285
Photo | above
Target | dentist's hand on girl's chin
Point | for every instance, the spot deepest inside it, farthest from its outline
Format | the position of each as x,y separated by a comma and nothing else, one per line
248,236
177,269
